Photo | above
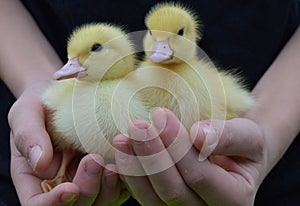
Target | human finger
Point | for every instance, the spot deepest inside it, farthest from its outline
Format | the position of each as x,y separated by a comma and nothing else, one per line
133,174
29,132
88,178
159,166
208,180
112,191
236,137
63,194
32,194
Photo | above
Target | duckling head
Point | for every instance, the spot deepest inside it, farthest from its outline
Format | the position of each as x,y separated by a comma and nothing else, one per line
98,52
172,33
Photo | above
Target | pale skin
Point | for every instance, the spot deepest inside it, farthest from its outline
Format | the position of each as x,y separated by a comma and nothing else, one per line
27,63
246,148
95,184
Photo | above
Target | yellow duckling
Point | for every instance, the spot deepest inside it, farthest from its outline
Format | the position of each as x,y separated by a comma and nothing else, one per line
87,105
191,87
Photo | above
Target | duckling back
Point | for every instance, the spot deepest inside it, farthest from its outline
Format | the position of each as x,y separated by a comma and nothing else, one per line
192,91
238,98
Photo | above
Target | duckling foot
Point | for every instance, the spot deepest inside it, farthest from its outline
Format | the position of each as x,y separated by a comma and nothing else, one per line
48,185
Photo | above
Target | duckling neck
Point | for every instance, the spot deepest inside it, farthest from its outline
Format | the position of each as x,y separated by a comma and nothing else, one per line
172,65
119,70
87,82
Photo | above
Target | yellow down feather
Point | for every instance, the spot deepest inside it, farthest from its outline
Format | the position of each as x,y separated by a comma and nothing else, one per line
86,113
193,88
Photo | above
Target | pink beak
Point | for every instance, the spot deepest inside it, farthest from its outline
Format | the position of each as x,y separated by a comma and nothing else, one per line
161,52
70,70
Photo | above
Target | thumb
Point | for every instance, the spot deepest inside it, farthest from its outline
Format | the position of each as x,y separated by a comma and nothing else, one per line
27,121
236,137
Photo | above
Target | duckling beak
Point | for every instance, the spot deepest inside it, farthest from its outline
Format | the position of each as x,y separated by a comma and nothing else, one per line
161,52
71,69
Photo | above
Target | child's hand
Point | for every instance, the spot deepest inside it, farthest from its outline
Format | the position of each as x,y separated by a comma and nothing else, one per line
175,173
33,160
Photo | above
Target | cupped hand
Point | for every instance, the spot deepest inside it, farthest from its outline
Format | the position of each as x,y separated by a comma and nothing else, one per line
33,160
218,163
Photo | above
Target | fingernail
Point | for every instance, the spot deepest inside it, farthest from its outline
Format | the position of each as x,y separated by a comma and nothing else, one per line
210,143
159,119
120,141
92,168
141,132
35,154
69,198
123,149
138,130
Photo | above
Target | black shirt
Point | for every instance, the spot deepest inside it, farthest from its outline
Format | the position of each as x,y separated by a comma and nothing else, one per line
236,33
245,35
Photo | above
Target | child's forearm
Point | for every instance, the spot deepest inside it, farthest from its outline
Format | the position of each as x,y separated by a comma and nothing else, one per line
278,94
26,57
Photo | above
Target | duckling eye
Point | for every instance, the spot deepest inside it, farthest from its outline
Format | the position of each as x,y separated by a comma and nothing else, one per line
150,32
96,47
181,32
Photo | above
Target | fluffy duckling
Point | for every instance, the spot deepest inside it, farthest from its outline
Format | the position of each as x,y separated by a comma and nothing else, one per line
89,104
191,87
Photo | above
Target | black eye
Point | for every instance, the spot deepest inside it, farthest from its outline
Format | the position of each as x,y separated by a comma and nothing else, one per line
150,32
181,32
96,47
